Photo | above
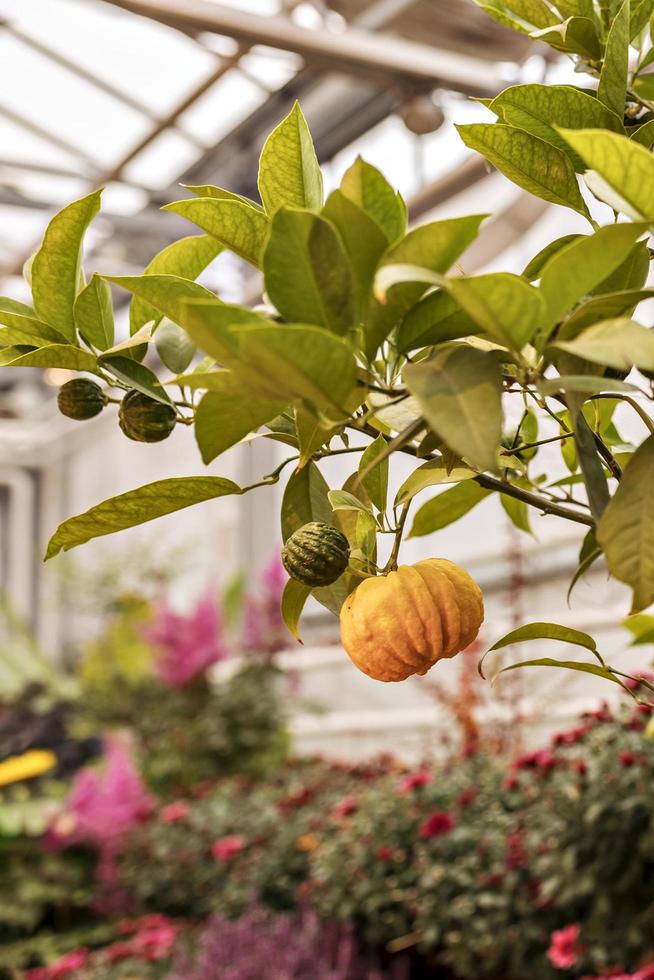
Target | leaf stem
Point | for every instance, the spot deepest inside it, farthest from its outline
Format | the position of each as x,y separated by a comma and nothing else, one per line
391,564
634,404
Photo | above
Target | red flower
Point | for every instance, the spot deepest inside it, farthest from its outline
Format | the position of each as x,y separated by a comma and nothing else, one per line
515,850
628,759
565,948
581,767
571,737
345,807
385,854
175,812
437,824
541,759
511,782
415,780
227,847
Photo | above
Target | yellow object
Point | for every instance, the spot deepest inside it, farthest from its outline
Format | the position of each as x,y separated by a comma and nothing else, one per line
402,623
307,842
27,766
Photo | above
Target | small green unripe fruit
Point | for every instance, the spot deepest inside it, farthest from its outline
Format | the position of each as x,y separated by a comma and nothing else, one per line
80,399
145,420
316,554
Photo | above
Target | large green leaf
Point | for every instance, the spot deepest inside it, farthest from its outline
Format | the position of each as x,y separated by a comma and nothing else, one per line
581,265
582,667
94,314
363,239
434,320
305,499
528,161
235,225
460,393
534,268
167,294
447,507
220,194
137,376
620,344
538,109
184,259
576,35
641,11
368,188
56,265
436,247
432,473
622,170
307,271
227,413
136,507
29,326
506,307
626,530
591,465
289,174
546,631
612,90
374,476
610,306
9,305
55,356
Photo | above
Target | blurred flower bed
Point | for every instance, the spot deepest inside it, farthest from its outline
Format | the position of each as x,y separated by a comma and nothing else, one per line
154,825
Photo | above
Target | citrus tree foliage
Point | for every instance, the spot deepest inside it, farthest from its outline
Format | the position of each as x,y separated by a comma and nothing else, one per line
374,341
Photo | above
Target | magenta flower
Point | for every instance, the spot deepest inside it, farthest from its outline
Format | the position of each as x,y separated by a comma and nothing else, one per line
63,967
175,812
188,644
565,948
415,781
226,848
263,627
103,806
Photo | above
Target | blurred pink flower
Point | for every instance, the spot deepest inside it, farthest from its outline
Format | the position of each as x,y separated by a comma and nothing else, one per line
103,805
565,948
437,824
63,967
227,847
415,780
263,627
188,644
174,812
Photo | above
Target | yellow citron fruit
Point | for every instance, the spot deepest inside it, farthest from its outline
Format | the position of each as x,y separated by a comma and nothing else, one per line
27,766
402,623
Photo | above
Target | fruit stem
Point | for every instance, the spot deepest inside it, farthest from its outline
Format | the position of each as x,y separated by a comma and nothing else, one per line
391,564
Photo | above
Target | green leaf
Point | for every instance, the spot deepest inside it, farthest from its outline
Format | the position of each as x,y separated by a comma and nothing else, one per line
585,383
294,599
29,326
9,305
609,306
533,270
94,314
643,134
576,35
305,499
529,162
236,226
584,668
366,187
626,531
375,476
174,346
622,170
167,294
289,174
538,109
612,90
585,563
434,320
546,631
363,240
580,266
447,507
435,246
641,627
620,344
56,265
432,473
55,356
535,12
220,194
506,307
343,500
184,259
136,507
590,463
517,511
307,272
137,376
460,394
641,11
133,347
228,413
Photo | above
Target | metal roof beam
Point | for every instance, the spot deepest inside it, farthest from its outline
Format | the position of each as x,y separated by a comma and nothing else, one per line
355,51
